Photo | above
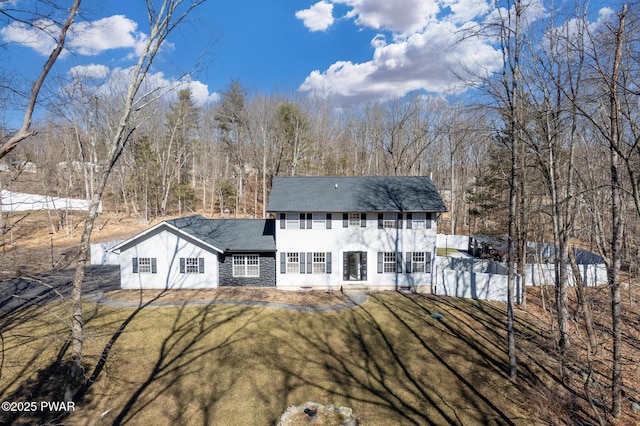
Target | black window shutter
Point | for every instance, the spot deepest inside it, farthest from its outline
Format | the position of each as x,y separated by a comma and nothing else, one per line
380,267
428,221
345,266
345,220
309,220
283,263
399,262
399,221
363,265
154,265
408,268
201,265
363,220
302,221
134,263
427,258
328,221
328,259
283,222
302,262
182,268
309,263
380,220
409,221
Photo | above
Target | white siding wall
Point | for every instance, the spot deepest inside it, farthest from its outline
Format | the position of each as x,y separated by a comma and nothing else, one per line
369,239
167,248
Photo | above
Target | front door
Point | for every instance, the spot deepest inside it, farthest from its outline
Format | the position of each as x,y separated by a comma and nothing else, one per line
354,266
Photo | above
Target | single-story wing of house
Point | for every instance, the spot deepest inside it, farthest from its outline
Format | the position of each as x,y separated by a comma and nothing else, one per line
195,252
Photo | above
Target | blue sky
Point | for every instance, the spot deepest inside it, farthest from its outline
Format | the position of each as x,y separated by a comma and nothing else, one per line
352,50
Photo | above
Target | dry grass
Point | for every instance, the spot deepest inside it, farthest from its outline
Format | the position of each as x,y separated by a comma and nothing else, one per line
388,360
311,298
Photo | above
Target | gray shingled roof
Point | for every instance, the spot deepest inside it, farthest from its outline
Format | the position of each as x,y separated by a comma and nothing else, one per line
354,194
244,235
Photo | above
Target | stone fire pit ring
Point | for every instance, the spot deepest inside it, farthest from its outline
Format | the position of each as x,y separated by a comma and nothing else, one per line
317,414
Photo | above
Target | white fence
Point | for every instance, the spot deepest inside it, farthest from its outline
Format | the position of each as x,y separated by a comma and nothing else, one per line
19,201
487,280
474,285
544,274
458,242
100,254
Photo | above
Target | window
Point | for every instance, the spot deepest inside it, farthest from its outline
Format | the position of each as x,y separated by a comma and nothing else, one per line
417,263
293,221
293,263
354,219
144,265
319,263
246,265
419,220
389,262
319,221
192,265
389,220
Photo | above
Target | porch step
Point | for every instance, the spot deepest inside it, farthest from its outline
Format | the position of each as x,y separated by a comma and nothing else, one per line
348,289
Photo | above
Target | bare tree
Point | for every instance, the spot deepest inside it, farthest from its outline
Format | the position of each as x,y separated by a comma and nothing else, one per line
163,19
25,130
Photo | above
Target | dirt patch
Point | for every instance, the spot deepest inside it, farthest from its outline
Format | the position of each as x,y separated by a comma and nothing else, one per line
306,298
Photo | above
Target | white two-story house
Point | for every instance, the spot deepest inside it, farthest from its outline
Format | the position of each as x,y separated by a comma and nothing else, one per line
376,231
326,233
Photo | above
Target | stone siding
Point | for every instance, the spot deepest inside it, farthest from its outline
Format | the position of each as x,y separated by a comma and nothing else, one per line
267,276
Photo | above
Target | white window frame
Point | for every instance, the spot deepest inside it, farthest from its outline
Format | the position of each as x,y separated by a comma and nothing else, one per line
293,220
319,221
319,263
389,220
144,265
191,265
419,220
293,263
246,265
389,264
354,219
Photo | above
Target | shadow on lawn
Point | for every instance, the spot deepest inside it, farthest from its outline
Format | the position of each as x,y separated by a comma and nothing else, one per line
30,312
539,362
388,359
181,355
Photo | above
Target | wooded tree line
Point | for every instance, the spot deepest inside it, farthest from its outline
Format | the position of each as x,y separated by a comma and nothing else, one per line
546,150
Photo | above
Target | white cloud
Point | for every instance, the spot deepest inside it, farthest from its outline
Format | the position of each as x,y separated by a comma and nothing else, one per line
89,71
430,60
318,17
40,37
421,45
465,10
113,32
84,38
398,16
115,82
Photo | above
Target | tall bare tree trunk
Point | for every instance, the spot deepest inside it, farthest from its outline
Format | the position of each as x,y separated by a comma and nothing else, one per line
162,21
613,270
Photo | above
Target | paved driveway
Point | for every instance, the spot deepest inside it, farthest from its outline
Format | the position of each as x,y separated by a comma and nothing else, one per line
22,292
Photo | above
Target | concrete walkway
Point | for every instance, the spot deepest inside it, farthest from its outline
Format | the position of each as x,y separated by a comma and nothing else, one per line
354,300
